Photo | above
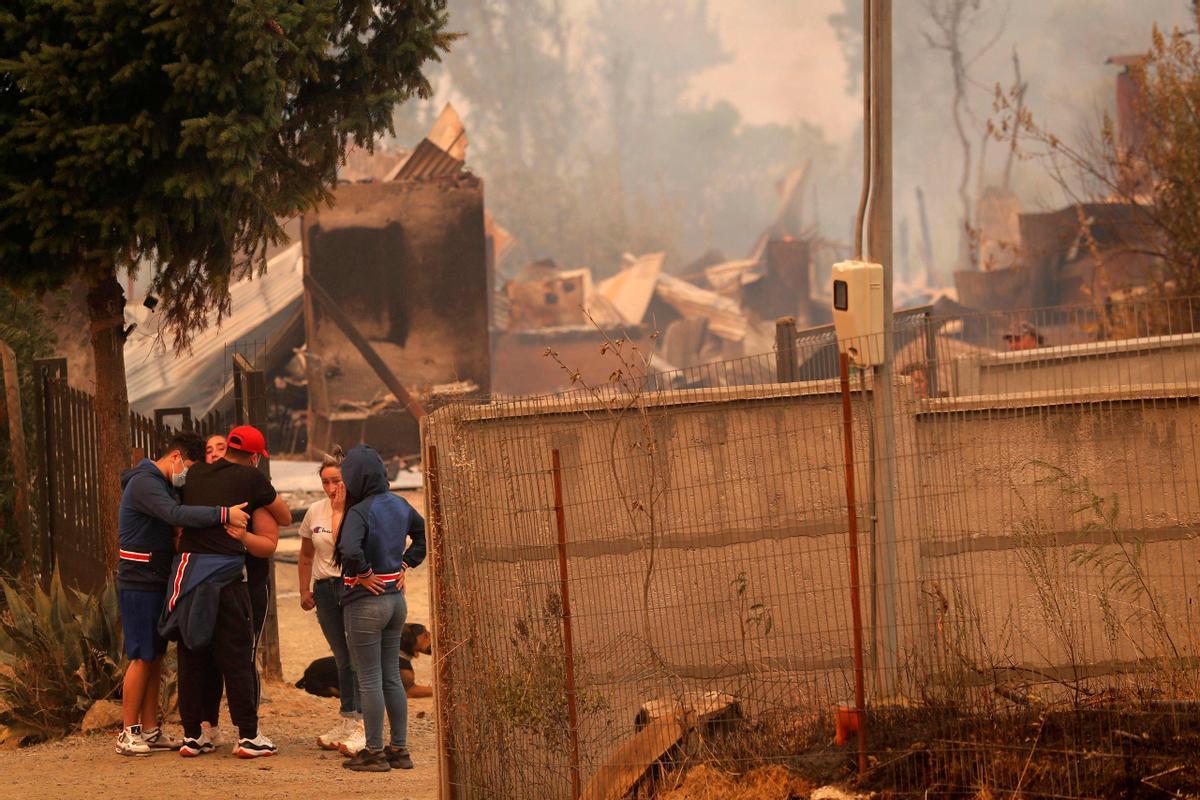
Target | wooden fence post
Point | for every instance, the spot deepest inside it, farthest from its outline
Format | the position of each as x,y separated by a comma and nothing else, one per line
46,370
250,408
16,435
787,366
929,330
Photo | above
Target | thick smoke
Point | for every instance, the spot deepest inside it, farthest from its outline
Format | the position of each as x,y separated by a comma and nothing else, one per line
602,126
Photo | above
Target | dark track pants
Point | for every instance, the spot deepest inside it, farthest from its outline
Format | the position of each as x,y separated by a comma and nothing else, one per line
259,597
230,656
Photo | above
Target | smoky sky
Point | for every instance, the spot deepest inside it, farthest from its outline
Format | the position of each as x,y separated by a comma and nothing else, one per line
785,65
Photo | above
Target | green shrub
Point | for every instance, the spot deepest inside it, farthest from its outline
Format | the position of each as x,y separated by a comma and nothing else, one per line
60,651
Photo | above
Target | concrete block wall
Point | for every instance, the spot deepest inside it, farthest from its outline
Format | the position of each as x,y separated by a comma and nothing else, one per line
740,583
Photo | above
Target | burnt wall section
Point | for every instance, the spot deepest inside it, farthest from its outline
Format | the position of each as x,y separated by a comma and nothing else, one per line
407,261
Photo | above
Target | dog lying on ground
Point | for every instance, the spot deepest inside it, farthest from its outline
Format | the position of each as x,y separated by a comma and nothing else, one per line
321,676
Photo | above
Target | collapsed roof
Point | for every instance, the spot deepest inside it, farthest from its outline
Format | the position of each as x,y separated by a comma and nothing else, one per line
261,309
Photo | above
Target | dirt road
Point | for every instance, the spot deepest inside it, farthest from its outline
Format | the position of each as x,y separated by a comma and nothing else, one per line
86,766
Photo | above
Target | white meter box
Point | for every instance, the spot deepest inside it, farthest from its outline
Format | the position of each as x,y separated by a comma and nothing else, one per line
858,310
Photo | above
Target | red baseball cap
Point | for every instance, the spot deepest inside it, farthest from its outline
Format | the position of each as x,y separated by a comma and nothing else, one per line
248,439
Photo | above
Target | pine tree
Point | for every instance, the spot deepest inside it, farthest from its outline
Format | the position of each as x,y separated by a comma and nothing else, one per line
178,133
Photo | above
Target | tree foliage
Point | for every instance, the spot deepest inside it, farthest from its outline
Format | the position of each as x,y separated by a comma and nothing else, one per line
180,133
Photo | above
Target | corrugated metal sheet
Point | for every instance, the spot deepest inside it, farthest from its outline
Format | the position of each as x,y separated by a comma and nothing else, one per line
427,161
157,379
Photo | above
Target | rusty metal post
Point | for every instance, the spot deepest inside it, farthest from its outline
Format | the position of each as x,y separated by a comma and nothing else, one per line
16,435
787,366
855,601
442,686
568,648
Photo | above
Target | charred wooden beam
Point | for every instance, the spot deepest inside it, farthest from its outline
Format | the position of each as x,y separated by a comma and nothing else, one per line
346,325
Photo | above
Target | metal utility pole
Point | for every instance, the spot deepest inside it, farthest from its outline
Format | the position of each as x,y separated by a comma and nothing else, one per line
878,68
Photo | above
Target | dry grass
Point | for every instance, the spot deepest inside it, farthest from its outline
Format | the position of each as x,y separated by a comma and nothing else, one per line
765,783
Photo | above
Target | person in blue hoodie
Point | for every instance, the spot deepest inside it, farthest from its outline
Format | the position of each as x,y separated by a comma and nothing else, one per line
380,537
150,512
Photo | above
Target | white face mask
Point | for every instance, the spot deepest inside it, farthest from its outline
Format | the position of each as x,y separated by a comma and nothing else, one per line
179,478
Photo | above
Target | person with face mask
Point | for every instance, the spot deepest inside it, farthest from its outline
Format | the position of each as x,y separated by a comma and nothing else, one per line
210,610
150,511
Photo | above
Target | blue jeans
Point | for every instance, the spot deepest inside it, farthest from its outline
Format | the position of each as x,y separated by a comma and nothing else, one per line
327,594
374,626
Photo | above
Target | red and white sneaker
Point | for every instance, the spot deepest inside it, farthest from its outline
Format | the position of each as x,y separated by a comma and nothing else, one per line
356,742
331,739
196,747
258,747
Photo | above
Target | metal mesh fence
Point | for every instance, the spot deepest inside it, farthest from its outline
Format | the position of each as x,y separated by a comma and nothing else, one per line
638,578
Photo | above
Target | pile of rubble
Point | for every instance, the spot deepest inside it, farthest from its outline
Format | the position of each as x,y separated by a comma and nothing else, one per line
716,310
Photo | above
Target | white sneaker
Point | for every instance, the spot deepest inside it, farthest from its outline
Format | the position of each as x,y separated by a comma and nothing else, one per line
159,740
258,747
130,742
213,733
334,736
356,741
197,747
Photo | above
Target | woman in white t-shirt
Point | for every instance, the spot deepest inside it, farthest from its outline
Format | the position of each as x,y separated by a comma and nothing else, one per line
321,588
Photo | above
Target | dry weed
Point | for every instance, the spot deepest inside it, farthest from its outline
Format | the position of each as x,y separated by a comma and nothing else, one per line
765,783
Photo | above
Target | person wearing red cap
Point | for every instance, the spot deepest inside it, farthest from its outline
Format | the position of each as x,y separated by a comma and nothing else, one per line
231,654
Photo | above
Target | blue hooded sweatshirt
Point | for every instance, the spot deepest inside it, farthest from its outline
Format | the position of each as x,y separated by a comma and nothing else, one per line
150,512
375,534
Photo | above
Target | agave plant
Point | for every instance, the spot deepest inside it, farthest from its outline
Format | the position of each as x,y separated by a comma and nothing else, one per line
60,651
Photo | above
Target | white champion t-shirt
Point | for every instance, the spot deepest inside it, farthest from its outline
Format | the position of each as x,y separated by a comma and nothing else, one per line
318,526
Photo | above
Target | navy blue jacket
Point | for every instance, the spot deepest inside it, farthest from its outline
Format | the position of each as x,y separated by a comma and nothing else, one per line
193,601
150,512
375,534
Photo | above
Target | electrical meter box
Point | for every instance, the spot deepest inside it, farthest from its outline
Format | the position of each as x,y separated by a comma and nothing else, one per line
858,311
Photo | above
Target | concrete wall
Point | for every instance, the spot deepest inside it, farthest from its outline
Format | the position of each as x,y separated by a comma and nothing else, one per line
1033,516
1120,363
749,510
1010,521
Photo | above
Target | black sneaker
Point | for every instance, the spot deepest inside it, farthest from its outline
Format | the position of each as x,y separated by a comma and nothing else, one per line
366,761
398,757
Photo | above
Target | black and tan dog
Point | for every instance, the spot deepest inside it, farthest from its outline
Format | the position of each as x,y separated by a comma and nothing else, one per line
414,641
321,678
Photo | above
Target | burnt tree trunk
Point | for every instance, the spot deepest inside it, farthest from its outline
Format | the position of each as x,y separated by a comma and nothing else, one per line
106,312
